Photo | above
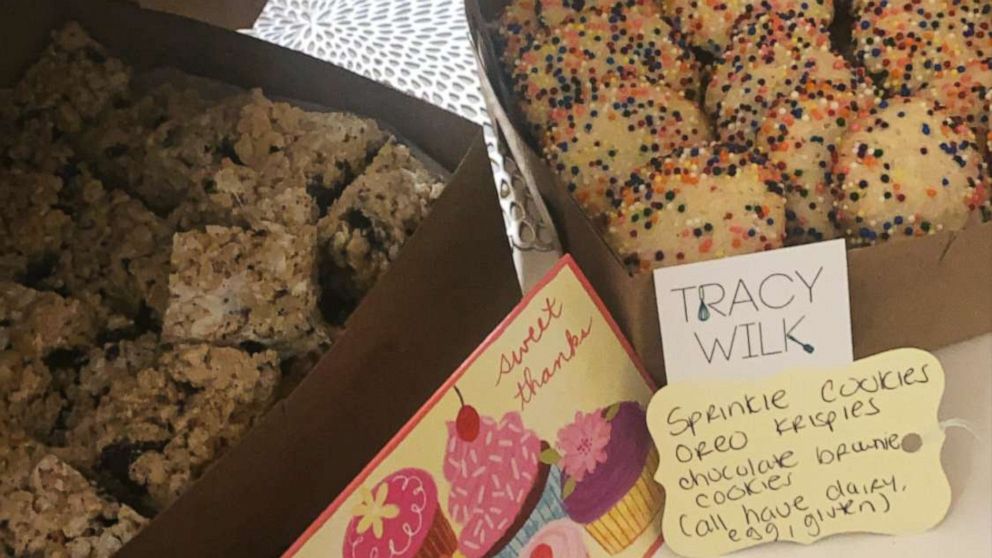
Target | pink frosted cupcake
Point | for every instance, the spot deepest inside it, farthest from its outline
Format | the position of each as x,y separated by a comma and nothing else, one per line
400,518
608,465
501,493
558,539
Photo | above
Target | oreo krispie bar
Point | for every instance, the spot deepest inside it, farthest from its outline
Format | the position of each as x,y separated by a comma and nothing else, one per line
231,286
366,227
104,365
36,329
47,508
168,147
279,164
156,430
118,251
65,90
119,143
33,227
230,194
327,149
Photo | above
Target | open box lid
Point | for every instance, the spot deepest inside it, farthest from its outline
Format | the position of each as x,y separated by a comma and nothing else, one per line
229,14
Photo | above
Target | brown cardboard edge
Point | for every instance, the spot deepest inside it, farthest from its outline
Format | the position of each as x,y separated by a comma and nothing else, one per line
229,14
410,334
928,292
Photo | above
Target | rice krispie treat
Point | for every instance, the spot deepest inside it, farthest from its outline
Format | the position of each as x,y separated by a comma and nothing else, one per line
800,136
29,399
698,204
396,156
33,228
35,323
75,80
367,226
237,195
104,366
709,25
35,327
232,286
553,13
219,163
67,88
907,170
327,148
277,140
118,142
597,144
117,250
771,56
157,430
559,69
904,44
47,508
179,150
29,141
518,26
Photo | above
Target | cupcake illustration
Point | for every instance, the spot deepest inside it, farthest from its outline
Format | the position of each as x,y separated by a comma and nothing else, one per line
501,491
558,539
608,463
400,518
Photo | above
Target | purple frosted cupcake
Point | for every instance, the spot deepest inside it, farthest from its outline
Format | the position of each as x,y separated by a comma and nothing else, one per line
608,465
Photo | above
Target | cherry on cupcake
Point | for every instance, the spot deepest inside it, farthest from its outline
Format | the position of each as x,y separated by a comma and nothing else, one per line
468,422
542,551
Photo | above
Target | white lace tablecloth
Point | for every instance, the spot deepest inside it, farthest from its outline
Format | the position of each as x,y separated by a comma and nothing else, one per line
420,47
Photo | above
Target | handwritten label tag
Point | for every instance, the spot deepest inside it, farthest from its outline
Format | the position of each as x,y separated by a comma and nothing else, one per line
802,455
538,443
756,314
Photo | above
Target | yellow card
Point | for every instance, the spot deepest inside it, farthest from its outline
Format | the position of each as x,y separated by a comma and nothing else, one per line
536,447
802,455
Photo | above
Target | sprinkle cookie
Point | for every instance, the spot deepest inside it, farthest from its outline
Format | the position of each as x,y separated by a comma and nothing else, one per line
595,49
553,13
518,26
800,137
907,170
988,132
597,144
961,91
708,24
699,204
904,43
757,72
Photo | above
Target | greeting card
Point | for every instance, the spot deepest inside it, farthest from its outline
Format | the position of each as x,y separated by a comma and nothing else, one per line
536,447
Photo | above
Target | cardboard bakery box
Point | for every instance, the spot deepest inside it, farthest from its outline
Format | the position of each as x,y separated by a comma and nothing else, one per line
927,292
229,14
452,283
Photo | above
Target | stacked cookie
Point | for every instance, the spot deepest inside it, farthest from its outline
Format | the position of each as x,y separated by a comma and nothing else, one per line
690,130
173,253
606,88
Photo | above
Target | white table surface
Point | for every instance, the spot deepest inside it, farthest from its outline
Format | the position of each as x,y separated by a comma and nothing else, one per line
422,47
